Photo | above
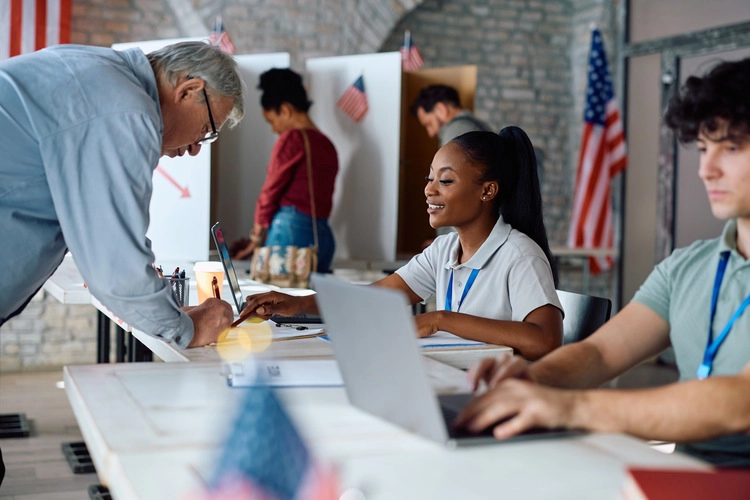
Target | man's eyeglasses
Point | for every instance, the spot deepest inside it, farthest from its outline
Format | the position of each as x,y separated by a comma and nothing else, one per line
213,135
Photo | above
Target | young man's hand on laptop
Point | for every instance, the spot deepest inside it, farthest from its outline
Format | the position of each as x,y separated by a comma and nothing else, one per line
514,406
492,371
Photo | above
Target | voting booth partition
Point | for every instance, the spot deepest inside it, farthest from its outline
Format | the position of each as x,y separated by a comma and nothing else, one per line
366,196
241,154
181,196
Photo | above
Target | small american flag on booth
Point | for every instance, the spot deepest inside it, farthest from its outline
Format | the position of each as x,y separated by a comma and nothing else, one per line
220,37
411,59
353,102
264,457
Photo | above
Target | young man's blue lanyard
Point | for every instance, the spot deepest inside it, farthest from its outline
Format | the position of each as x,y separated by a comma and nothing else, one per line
449,293
712,347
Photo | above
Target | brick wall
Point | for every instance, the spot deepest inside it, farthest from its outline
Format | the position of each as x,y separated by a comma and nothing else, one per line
48,334
531,57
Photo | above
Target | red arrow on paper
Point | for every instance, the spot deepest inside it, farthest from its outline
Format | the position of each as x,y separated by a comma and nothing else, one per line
184,190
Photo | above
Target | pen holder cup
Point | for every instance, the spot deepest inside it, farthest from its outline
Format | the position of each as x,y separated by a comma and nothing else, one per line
180,289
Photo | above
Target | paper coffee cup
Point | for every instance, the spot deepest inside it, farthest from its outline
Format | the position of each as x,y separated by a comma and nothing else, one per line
204,275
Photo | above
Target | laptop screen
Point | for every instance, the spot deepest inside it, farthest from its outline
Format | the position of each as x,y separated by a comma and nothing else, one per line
226,260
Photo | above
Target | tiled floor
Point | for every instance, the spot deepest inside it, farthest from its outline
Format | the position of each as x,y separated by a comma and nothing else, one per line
36,468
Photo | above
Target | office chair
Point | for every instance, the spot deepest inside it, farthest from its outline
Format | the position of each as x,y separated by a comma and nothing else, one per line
584,314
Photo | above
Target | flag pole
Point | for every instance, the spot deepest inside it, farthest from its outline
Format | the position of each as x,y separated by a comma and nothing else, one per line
407,39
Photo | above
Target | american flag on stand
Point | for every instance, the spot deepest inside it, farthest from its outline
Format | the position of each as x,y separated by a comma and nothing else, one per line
29,25
264,458
220,37
353,102
411,59
602,157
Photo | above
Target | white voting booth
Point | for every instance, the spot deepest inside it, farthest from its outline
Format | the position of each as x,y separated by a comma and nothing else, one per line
243,152
365,214
365,207
181,196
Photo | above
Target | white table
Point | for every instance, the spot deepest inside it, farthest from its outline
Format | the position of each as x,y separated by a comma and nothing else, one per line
66,284
154,431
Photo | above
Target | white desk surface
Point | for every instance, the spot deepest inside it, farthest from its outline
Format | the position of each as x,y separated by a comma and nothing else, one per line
66,284
155,429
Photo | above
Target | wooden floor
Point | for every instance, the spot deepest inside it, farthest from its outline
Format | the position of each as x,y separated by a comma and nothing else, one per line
37,469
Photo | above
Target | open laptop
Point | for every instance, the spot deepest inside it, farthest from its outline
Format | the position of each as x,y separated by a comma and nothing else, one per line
374,341
226,261
239,299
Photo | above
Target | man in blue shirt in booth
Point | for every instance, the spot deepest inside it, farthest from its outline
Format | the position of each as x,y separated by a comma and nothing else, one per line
697,300
82,132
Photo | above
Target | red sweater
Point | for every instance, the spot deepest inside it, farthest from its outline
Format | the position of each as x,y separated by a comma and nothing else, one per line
286,180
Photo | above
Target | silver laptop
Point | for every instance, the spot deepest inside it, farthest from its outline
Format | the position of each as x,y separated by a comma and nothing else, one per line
226,261
374,341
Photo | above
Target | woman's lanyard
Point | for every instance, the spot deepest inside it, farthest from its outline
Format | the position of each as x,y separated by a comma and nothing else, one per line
712,347
449,293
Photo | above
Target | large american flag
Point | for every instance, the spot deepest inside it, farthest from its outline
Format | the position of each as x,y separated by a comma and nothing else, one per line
29,25
411,59
264,457
353,102
602,157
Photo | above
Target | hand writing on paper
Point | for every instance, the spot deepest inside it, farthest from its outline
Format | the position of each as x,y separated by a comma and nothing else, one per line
514,406
266,304
492,371
210,319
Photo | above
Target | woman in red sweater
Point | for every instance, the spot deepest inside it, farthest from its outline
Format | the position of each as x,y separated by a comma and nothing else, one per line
283,212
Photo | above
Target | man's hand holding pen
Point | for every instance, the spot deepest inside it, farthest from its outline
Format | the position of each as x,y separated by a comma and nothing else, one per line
211,319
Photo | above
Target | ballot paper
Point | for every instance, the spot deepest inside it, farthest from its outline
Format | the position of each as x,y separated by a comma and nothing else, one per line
283,373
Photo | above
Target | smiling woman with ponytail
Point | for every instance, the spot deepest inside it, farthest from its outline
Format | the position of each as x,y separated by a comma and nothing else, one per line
494,278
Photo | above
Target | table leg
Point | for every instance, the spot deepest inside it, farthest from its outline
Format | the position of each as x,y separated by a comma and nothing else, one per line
131,348
120,345
102,338
142,353
586,274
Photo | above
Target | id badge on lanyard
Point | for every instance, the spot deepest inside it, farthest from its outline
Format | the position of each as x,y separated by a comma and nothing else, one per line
712,346
449,293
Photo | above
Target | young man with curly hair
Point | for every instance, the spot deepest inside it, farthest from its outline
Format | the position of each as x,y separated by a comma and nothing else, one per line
697,300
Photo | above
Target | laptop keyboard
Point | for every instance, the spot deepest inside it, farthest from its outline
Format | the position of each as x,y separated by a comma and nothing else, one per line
450,413
450,406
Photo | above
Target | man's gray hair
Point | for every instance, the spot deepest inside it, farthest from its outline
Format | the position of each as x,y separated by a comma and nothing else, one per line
204,61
